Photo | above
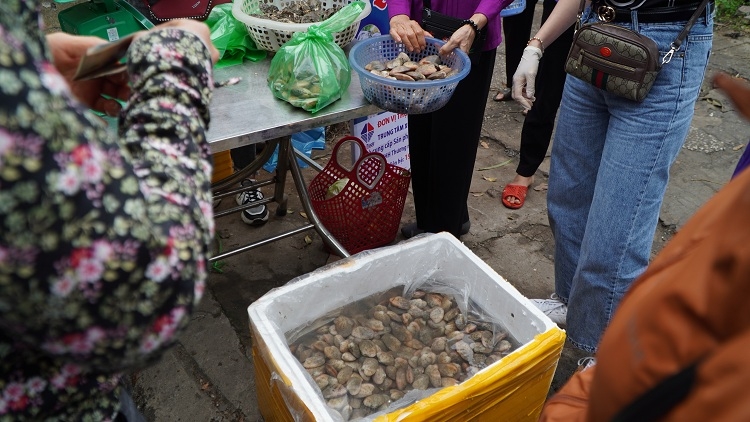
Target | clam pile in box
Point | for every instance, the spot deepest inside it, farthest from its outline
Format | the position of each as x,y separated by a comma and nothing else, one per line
378,349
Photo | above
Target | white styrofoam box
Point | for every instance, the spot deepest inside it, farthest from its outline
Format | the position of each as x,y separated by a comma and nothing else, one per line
410,263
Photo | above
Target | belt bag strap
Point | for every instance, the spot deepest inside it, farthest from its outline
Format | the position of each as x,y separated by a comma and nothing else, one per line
677,41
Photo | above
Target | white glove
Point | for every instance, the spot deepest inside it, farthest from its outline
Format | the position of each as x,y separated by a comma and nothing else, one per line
524,78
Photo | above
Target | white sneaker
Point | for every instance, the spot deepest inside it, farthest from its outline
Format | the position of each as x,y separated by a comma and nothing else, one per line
553,307
585,363
254,216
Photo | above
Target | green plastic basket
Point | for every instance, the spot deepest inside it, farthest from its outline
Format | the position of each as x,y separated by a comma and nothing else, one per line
107,19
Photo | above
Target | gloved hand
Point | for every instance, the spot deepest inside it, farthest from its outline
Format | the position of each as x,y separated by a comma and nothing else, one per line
524,78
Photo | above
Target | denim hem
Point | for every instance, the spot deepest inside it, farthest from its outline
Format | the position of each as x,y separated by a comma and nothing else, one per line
581,346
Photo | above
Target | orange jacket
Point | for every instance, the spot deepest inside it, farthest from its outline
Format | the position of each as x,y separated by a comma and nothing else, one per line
691,304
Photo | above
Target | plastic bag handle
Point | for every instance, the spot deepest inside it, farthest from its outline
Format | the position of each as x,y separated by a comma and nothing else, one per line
342,19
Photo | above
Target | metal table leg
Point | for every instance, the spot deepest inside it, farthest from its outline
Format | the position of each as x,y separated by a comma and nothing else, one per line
286,162
299,183
230,182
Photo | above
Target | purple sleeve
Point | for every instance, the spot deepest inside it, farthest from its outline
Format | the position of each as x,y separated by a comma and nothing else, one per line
491,8
399,7
743,163
461,9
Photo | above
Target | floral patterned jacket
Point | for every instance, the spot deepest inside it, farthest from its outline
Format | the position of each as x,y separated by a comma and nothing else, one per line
103,238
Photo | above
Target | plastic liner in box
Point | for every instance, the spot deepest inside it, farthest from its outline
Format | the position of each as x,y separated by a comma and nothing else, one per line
513,388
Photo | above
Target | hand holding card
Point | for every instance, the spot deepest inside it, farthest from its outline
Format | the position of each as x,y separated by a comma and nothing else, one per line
69,56
104,59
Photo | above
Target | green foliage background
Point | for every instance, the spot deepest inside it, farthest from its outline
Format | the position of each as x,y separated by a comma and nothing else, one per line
726,12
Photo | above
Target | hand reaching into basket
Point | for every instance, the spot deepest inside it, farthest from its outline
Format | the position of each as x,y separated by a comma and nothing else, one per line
409,32
464,36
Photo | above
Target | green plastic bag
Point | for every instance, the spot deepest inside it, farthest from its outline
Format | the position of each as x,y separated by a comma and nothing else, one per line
230,37
310,70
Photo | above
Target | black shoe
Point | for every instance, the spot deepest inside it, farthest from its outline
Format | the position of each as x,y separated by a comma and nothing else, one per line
410,230
507,95
257,215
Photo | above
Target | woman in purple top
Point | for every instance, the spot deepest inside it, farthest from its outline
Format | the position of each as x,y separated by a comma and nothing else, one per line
443,144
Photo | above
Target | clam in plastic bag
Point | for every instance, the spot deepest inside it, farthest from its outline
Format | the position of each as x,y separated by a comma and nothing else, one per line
311,71
336,187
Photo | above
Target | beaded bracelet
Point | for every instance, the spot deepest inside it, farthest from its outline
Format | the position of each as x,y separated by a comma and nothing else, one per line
473,24
541,43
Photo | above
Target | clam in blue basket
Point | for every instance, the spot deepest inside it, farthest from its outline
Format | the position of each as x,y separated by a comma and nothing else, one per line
406,97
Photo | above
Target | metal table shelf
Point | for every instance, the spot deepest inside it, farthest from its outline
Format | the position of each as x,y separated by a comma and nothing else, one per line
247,113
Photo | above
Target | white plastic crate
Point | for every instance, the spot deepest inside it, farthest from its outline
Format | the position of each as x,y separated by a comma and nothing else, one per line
513,388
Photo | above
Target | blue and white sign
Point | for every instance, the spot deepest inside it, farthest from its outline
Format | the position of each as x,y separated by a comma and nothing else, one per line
384,132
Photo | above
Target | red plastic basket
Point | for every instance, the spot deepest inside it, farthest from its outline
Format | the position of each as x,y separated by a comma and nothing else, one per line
367,212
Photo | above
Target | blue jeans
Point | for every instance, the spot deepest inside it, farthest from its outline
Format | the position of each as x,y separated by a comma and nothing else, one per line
608,173
128,410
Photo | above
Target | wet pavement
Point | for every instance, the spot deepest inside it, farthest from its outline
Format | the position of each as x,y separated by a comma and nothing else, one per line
209,375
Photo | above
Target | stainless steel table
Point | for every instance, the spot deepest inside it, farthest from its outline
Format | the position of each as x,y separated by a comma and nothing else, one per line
247,113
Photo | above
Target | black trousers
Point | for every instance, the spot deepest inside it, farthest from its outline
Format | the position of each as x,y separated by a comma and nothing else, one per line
443,147
243,156
516,32
540,120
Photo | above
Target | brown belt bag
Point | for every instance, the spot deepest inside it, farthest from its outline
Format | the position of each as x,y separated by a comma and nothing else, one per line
616,59
443,26
165,10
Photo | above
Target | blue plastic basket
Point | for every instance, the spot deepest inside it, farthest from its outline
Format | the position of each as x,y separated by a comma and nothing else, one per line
406,97
514,8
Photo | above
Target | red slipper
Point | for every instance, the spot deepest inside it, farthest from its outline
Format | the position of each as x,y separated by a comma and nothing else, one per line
516,191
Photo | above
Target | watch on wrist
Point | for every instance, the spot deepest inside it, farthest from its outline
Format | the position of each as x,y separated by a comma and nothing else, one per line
473,25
